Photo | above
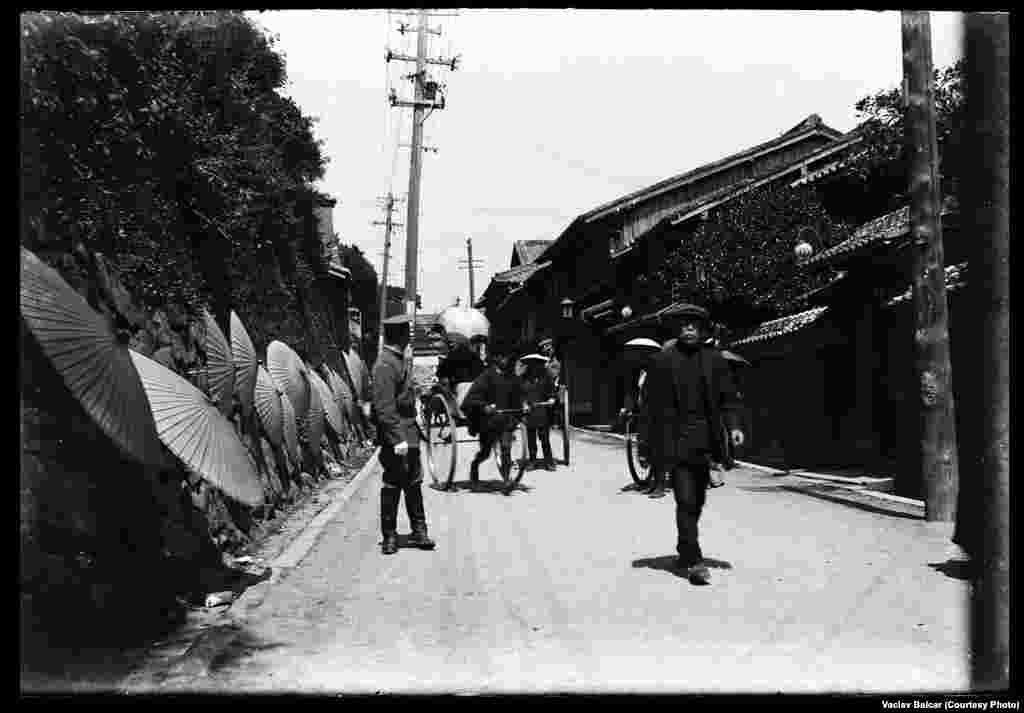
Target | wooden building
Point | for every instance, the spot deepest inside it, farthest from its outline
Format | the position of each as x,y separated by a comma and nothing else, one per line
834,386
593,264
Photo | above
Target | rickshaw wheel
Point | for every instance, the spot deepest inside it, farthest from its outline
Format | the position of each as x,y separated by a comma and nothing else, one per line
639,470
441,440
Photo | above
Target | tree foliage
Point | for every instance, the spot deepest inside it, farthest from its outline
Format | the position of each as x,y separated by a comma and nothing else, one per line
740,261
875,182
153,136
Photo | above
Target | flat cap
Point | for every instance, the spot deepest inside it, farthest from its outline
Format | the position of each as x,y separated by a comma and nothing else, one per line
685,309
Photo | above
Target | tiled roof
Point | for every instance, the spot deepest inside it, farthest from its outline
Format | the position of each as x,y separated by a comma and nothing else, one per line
811,123
783,325
886,227
956,277
530,250
519,274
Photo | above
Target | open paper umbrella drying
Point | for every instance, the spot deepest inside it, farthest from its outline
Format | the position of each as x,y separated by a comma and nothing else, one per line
332,414
220,369
268,406
191,426
84,350
289,372
358,373
243,355
290,427
342,393
315,422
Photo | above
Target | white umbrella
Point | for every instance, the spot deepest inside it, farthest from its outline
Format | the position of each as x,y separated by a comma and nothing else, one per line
289,372
466,321
191,426
643,342
220,367
94,365
243,354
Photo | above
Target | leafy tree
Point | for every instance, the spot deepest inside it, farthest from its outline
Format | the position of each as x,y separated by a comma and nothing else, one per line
875,181
740,263
161,140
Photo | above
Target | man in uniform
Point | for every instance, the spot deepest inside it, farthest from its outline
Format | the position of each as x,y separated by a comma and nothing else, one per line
546,346
394,410
690,395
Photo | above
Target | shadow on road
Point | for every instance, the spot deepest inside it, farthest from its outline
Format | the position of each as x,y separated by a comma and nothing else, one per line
667,563
960,569
234,647
485,486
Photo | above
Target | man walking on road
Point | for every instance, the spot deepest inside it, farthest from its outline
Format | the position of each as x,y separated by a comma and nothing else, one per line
394,407
690,394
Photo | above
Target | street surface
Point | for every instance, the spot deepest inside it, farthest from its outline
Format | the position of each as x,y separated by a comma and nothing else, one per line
568,585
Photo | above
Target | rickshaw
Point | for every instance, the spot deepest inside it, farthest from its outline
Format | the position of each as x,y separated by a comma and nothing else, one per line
444,426
637,461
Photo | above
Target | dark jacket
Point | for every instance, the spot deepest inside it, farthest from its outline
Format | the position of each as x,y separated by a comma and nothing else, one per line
462,365
394,408
539,388
505,391
666,423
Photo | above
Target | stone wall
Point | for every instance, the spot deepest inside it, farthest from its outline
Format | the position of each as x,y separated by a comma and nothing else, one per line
103,537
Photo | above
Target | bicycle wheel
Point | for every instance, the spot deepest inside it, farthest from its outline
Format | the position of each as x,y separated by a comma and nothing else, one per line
564,408
640,470
440,434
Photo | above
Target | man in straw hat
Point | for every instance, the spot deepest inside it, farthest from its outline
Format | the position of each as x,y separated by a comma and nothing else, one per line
394,408
690,395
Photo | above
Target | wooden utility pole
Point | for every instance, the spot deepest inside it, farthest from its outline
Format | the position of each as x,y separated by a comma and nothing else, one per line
389,225
425,96
986,192
931,333
470,265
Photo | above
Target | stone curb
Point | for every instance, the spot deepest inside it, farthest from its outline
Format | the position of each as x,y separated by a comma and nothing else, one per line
211,643
860,490
293,554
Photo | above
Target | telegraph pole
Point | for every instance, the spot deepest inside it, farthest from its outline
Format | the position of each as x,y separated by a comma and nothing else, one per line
470,265
389,208
986,191
425,96
931,332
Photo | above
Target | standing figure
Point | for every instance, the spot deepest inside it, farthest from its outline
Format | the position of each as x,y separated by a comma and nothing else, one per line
539,388
690,395
554,369
498,387
394,408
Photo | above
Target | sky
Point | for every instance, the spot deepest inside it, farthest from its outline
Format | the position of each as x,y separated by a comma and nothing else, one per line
551,113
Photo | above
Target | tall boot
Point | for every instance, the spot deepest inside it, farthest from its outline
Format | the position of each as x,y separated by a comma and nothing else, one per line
474,471
389,519
417,518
